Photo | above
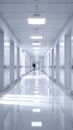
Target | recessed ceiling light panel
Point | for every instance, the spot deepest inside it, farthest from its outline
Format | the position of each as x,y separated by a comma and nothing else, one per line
36,124
36,37
36,21
36,44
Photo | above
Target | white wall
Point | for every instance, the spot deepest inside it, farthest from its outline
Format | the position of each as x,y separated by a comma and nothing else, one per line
60,39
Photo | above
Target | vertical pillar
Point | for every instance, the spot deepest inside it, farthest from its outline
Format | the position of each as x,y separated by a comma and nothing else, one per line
1,60
49,64
52,63
68,60
18,62
57,63
11,62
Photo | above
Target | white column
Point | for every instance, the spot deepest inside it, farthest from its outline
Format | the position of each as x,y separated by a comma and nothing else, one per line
52,64
57,63
1,60
68,60
11,62
18,63
49,64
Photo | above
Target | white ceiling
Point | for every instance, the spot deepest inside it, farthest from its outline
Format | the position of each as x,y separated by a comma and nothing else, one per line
16,13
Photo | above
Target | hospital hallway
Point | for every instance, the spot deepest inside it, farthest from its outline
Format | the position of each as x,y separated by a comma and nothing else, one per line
36,103
36,64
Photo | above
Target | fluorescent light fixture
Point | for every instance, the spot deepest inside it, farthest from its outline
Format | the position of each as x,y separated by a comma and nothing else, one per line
36,20
36,44
36,37
36,124
36,110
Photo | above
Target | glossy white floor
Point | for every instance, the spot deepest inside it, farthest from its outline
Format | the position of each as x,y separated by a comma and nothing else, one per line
36,103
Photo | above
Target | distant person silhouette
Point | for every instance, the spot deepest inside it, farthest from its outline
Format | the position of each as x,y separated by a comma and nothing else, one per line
33,65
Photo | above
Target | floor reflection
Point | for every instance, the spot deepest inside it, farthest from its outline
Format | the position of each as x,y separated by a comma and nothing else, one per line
36,102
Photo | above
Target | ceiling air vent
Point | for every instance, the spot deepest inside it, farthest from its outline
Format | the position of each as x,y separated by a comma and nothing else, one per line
36,15
36,41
